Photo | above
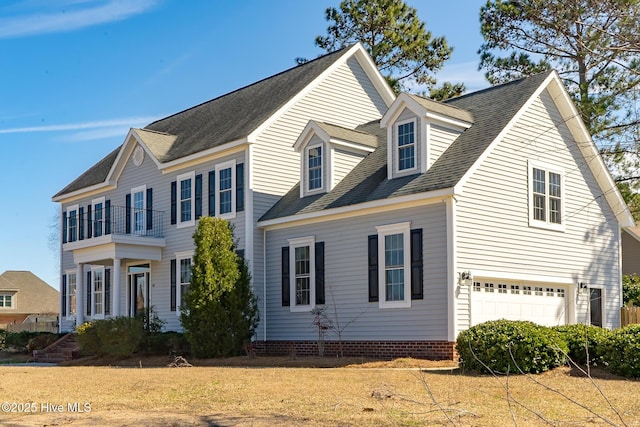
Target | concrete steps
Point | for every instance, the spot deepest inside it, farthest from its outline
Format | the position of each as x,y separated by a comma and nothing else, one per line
62,350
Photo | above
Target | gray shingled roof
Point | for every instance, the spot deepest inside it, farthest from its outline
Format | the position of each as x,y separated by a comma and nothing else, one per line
221,120
349,135
491,108
442,108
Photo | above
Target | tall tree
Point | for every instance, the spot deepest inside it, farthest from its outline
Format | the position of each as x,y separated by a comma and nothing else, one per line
594,46
400,45
220,312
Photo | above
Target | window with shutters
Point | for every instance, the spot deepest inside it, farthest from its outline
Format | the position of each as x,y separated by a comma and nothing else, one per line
72,218
186,199
138,209
98,285
546,196
394,265
97,217
226,189
71,293
183,276
302,273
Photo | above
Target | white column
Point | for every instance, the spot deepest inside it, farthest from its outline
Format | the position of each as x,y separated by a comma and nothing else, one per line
80,293
115,286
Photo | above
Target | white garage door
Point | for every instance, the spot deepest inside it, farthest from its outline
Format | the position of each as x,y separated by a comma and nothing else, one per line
544,304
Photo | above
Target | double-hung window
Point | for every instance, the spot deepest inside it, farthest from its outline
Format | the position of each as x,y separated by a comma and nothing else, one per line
186,199
406,145
138,206
98,291
72,223
6,301
98,216
546,196
303,269
183,273
226,188
394,272
71,293
314,167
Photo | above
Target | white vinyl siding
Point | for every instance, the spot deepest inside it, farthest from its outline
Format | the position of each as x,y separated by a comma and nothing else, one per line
496,197
343,162
439,139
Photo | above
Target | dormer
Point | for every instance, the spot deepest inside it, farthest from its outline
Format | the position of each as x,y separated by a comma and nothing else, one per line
419,130
328,154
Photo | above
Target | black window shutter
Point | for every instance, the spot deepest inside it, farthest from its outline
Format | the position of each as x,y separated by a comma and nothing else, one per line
286,300
81,223
149,208
174,203
212,193
173,285
373,267
107,217
107,291
127,213
319,272
198,196
240,253
416,264
64,227
89,223
88,287
63,302
240,187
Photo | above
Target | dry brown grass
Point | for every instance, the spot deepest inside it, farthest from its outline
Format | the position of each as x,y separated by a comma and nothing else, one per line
374,394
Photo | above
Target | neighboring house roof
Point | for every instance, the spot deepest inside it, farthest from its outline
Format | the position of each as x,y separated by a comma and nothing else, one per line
225,119
490,110
33,295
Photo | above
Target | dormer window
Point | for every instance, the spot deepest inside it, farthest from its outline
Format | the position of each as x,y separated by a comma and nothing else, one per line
314,158
406,145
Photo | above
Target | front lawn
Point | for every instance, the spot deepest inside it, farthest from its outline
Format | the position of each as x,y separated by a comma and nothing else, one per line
366,396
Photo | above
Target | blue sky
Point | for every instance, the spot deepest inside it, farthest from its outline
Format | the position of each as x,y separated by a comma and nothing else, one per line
77,74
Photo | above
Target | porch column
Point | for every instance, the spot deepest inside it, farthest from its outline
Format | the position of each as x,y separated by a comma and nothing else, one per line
116,287
80,293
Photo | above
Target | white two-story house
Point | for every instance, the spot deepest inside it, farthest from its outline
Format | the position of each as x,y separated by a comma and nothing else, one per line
407,219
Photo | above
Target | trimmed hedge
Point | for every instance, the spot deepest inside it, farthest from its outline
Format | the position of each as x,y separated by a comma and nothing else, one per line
620,351
582,340
118,336
511,346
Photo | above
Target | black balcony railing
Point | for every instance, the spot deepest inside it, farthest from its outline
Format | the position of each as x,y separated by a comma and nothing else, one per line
114,220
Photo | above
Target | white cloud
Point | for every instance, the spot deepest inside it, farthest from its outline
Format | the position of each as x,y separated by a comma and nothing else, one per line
74,15
126,123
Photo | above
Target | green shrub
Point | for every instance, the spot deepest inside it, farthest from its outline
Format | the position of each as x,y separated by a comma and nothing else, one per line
496,345
582,340
631,289
42,340
87,337
167,343
620,351
19,341
3,337
118,336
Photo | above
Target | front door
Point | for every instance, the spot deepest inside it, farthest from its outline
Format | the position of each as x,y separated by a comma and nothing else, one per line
138,289
595,306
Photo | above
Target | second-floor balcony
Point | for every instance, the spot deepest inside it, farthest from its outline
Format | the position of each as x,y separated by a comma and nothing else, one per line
110,226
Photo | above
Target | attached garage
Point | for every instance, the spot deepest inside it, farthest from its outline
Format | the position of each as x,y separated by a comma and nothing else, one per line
545,304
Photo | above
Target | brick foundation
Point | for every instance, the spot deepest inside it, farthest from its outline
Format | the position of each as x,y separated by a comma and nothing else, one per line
433,350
